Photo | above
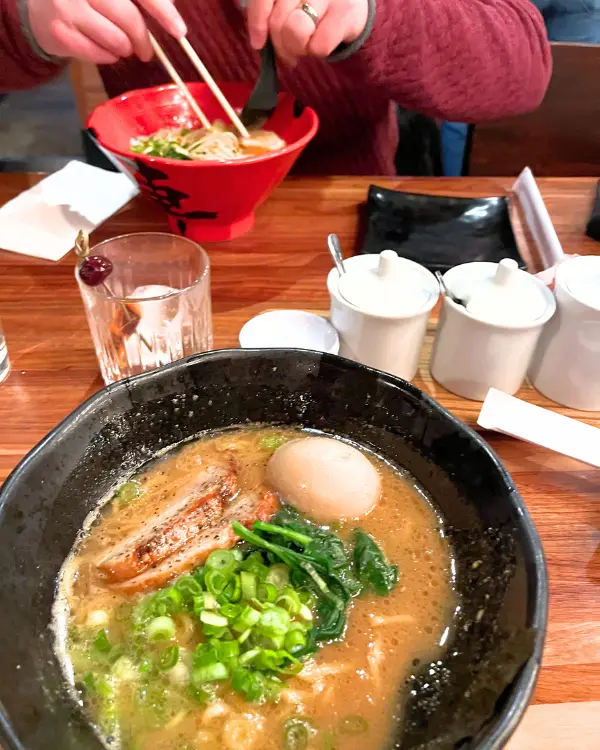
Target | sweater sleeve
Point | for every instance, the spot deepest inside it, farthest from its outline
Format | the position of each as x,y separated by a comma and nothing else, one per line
21,65
458,60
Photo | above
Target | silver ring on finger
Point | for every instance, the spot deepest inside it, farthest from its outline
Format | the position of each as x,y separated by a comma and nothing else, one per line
310,12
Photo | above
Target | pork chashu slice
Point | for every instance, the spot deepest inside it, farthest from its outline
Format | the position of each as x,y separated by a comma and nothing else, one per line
194,507
247,507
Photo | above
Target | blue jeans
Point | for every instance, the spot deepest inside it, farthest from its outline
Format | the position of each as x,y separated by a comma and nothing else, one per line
575,21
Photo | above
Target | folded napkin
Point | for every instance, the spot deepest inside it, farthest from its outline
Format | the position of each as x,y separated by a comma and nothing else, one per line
44,220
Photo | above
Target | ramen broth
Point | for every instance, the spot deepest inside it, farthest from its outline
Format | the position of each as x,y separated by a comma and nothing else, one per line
351,691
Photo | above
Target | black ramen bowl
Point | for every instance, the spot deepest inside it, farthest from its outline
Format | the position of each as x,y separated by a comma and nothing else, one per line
473,698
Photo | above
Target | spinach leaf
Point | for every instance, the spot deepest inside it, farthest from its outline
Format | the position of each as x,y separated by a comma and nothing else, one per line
326,548
372,569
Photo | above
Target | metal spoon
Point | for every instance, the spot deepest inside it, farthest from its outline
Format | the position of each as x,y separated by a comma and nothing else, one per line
446,291
333,243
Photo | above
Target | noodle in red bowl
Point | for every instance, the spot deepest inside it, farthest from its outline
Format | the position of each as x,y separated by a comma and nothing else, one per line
206,199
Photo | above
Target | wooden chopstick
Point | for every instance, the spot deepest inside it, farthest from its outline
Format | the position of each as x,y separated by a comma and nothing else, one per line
212,85
168,65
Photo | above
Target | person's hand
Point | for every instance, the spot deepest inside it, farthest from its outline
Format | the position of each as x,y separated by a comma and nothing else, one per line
295,32
100,31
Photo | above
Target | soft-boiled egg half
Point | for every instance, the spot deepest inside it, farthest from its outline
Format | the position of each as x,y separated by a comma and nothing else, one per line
324,478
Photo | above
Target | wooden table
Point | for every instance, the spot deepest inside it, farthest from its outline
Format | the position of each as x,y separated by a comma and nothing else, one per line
282,263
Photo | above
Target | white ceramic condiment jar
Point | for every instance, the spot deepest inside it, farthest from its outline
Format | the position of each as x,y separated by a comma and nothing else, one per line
489,341
566,364
380,308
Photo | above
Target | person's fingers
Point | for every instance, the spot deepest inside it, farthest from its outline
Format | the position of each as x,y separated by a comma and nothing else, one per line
167,15
128,18
329,34
300,28
72,43
282,10
98,29
257,15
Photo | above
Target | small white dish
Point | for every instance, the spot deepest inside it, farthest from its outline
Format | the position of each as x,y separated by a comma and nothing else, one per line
290,329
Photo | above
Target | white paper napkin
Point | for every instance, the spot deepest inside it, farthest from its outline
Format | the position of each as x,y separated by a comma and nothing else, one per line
44,220
520,419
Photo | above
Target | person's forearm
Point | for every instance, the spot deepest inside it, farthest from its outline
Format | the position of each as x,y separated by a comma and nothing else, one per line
462,60
22,66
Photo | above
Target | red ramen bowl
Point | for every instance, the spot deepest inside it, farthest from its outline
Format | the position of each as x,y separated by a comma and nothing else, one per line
205,200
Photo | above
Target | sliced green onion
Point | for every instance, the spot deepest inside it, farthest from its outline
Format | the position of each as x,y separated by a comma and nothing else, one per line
247,619
272,442
278,575
274,622
210,673
102,643
128,492
252,685
123,612
229,650
204,601
161,629
295,640
254,563
306,598
274,643
269,659
236,585
305,613
232,591
146,664
205,654
124,669
203,693
189,587
289,600
245,635
169,658
248,656
199,574
214,631
211,618
231,611
267,592
215,582
354,725
115,653
249,585
171,599
222,560
90,684
296,734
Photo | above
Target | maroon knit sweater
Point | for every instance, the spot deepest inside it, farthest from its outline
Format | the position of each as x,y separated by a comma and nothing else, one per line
458,60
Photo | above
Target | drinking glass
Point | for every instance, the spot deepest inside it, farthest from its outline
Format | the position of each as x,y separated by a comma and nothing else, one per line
4,360
153,308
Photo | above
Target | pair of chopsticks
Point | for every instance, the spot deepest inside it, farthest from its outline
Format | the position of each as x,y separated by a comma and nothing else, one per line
206,77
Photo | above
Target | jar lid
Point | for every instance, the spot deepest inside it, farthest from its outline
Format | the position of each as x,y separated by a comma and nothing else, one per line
581,276
502,294
395,287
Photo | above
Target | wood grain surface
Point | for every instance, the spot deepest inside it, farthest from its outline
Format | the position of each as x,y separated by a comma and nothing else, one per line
282,263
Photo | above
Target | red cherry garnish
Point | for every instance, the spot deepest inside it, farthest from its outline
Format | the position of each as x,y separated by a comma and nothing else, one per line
95,270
